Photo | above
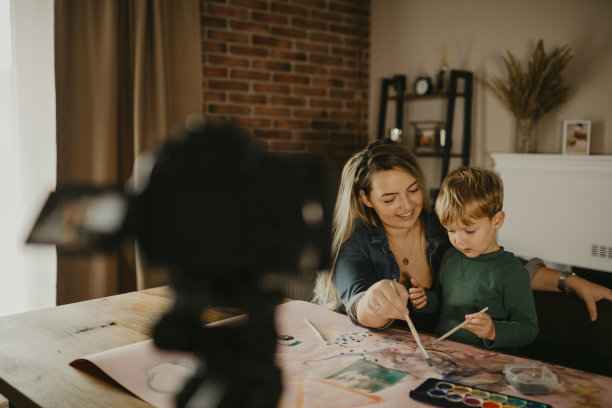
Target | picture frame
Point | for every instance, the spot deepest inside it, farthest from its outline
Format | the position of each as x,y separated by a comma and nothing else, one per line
427,136
576,136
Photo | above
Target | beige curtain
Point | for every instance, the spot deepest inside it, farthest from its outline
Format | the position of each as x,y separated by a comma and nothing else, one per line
128,72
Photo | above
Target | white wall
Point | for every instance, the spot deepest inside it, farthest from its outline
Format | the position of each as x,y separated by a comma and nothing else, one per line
409,37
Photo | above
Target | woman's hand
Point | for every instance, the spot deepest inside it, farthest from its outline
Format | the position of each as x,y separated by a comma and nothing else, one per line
589,292
481,325
383,301
418,298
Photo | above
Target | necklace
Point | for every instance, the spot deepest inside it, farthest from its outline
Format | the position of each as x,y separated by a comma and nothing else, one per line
406,259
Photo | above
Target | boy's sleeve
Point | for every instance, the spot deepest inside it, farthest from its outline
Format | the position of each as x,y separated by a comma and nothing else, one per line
521,324
433,301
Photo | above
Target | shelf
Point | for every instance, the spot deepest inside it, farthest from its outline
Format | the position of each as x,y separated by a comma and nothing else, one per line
412,97
455,91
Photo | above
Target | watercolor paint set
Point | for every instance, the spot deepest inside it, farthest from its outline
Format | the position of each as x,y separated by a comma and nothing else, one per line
454,395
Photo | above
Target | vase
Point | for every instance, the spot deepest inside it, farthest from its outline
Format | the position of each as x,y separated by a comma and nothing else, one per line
526,135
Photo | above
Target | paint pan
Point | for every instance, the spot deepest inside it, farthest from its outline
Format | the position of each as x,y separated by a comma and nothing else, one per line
446,393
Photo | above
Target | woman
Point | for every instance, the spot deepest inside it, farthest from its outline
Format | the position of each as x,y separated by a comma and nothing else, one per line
385,235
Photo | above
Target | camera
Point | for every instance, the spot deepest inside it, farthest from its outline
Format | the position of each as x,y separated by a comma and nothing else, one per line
220,213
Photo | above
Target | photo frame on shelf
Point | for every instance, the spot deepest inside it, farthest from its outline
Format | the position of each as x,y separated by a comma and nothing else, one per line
576,136
427,136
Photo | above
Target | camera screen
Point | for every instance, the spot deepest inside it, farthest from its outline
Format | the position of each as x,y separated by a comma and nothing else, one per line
81,219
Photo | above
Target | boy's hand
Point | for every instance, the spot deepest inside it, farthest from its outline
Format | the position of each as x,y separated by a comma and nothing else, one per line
418,298
481,325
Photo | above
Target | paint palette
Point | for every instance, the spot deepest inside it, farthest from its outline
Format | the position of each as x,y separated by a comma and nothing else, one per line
450,394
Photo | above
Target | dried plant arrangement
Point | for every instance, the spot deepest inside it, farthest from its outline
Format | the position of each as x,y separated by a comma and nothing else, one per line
536,91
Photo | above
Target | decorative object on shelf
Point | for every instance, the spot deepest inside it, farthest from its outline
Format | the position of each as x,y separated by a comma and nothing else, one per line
576,136
423,85
442,79
427,136
526,135
532,93
395,134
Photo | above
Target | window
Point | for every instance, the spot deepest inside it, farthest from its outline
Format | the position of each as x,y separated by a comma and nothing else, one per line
27,151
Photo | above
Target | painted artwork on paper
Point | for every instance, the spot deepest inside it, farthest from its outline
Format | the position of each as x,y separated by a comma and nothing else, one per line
316,392
367,376
358,368
387,365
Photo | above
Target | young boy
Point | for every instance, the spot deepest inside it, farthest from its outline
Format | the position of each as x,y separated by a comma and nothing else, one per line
477,272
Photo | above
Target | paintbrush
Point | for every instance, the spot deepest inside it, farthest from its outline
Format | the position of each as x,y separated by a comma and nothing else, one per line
418,339
317,332
414,333
454,329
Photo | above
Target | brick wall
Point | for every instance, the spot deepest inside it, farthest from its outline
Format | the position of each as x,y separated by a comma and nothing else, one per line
292,72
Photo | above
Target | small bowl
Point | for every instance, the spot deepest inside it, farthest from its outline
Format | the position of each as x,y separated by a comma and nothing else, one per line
531,378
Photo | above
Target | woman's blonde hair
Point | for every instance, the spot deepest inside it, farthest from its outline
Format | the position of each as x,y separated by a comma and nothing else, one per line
380,155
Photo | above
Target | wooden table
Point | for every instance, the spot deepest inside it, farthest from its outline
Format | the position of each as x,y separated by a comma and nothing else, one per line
36,348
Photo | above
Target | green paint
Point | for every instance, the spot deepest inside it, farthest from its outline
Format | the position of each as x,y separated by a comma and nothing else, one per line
368,376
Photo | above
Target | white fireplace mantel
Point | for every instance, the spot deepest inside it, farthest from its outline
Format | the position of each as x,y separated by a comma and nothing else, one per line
558,207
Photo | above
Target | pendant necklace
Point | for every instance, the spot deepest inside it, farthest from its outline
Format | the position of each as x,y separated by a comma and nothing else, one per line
405,260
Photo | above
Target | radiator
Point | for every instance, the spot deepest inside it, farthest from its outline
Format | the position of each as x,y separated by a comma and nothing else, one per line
558,207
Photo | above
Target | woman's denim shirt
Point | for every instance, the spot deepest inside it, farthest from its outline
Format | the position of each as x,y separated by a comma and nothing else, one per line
365,258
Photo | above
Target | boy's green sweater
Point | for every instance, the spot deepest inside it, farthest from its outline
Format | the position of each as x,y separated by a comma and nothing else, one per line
496,280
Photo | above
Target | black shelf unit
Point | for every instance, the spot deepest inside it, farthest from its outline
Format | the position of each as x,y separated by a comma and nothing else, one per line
398,83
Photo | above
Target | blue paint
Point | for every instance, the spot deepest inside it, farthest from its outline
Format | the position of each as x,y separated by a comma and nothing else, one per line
436,393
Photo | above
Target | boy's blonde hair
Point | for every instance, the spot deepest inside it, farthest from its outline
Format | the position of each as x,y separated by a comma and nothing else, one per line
468,193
